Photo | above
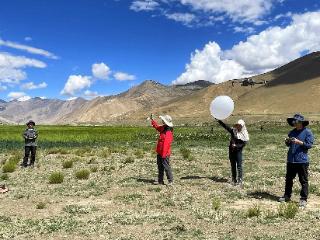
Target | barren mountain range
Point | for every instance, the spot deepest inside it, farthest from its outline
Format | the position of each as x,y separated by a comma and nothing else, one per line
294,87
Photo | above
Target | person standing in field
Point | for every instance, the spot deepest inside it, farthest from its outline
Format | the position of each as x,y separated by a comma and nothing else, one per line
299,141
30,136
164,148
239,138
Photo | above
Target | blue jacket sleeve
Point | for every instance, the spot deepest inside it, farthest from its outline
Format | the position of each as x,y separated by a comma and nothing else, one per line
308,142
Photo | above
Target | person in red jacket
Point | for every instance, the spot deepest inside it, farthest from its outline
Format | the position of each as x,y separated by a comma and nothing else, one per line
164,148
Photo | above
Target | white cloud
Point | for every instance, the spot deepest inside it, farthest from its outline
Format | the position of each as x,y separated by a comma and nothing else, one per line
11,67
144,5
260,22
3,88
101,71
11,75
265,51
24,98
286,15
185,18
32,85
91,94
9,61
75,83
121,76
72,98
238,11
28,49
20,96
247,30
207,64
28,39
277,46
207,12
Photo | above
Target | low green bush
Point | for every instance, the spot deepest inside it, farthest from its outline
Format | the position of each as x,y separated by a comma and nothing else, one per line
82,174
56,178
67,164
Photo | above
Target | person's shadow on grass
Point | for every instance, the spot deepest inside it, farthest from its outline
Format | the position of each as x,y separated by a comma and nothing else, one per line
263,195
145,180
214,179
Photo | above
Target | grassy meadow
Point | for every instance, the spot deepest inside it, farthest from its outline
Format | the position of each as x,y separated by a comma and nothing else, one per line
96,183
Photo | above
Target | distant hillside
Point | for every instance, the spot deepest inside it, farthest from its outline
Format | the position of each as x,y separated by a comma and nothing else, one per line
40,110
196,85
143,97
294,87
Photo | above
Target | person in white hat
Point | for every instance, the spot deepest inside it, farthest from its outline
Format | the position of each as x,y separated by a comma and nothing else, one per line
164,148
239,138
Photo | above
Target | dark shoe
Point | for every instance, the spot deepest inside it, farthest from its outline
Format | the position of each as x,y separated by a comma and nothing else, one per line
22,165
284,199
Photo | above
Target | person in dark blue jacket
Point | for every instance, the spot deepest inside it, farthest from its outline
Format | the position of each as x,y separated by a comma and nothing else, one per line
30,136
299,141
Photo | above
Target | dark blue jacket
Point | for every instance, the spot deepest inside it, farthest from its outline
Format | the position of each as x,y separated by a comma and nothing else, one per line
299,153
30,136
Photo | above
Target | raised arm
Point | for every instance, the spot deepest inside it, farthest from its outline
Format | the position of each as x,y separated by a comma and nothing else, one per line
225,126
156,126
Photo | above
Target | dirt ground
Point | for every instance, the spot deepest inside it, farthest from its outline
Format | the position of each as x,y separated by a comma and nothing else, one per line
119,201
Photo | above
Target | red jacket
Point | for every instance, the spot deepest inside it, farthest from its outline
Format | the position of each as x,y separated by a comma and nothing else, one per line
164,141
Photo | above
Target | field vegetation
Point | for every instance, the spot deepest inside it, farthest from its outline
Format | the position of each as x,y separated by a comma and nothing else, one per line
96,183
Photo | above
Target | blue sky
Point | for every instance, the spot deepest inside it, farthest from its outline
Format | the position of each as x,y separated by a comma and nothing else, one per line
64,49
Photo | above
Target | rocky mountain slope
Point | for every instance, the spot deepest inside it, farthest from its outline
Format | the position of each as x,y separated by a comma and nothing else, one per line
294,87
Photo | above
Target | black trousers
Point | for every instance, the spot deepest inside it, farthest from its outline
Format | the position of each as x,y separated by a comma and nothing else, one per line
235,158
27,151
164,166
302,170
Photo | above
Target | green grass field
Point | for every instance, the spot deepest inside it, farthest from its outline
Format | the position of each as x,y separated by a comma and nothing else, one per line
96,183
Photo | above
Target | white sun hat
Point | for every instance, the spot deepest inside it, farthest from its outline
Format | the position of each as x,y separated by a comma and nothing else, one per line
241,123
243,134
167,120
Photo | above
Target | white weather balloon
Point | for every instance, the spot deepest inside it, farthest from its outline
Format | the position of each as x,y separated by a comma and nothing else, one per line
222,107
